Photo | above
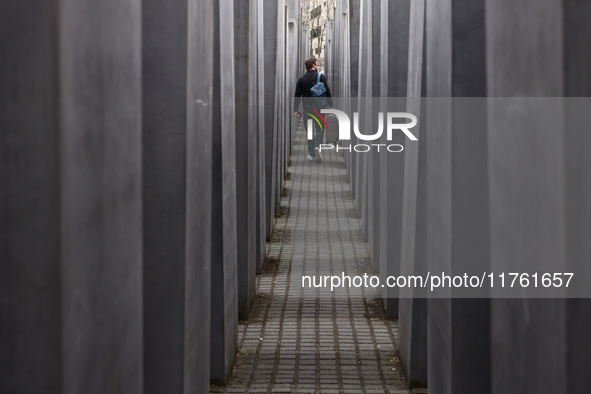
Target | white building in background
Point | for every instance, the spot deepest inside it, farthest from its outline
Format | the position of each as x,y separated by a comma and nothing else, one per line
316,14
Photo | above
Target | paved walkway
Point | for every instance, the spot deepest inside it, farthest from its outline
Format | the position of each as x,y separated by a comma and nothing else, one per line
294,342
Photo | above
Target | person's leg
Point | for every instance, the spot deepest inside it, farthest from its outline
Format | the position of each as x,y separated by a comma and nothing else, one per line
319,137
312,141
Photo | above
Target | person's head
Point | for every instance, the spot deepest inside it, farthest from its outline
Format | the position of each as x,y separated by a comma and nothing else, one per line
311,64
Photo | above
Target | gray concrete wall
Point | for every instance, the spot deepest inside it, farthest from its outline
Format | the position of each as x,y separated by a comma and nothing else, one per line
359,161
101,221
246,155
374,186
412,339
577,57
293,67
354,20
457,182
466,197
73,247
279,107
224,286
394,72
176,160
258,90
199,195
356,53
270,50
164,148
128,226
537,71
30,327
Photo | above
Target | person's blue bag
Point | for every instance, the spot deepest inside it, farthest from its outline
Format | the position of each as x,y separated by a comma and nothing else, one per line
318,91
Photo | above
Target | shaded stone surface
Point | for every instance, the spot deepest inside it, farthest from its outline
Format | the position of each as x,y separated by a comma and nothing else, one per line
516,361
270,48
164,143
374,209
199,195
394,72
537,71
413,312
176,191
71,221
354,20
101,199
224,285
261,218
246,154
457,182
30,327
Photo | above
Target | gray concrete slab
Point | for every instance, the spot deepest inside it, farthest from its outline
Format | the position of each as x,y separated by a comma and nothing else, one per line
457,180
101,222
412,340
374,184
30,330
394,72
577,57
282,114
224,297
246,154
262,222
341,61
355,22
164,159
199,195
355,31
526,64
578,193
457,69
364,91
293,67
270,53
279,108
176,161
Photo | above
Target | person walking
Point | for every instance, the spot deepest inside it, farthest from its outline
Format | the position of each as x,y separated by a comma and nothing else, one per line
303,87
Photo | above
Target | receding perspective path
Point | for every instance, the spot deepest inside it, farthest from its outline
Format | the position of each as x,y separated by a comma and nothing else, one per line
297,343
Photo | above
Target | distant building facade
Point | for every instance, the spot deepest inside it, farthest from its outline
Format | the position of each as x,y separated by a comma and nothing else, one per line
316,14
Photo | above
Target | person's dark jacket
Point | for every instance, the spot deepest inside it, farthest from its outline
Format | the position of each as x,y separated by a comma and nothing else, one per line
304,85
